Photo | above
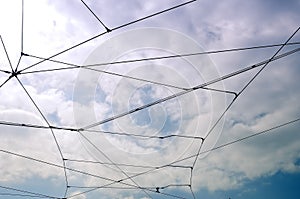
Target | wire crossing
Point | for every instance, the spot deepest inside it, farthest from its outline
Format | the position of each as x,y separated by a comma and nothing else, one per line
127,180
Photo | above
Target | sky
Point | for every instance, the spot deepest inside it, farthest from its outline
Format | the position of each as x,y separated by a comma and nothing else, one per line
79,126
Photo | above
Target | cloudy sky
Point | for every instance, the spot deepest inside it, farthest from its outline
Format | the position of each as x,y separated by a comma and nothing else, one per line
112,136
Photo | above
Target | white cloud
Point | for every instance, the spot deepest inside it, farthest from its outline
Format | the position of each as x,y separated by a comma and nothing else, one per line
32,142
270,100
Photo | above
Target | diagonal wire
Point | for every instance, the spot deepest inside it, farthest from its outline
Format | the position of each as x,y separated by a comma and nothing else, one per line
207,83
27,192
19,61
282,55
144,136
8,123
241,139
73,170
74,66
53,135
174,162
6,53
190,54
5,81
107,163
109,159
190,90
5,71
116,28
22,195
203,152
107,29
243,89
70,169
143,188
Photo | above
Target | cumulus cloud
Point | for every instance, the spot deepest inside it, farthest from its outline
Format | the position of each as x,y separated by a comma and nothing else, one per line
77,98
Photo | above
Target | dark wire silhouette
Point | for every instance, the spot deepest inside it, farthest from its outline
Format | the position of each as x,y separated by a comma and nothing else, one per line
107,29
238,72
157,190
6,53
31,194
22,29
172,163
113,29
112,162
52,133
14,74
75,66
187,91
22,36
236,97
22,195
280,56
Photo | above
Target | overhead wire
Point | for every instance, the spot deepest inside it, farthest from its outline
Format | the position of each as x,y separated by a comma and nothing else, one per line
5,71
188,91
113,29
75,66
50,127
112,181
108,163
240,139
280,56
174,162
93,13
27,192
112,162
236,97
52,133
3,83
224,145
6,53
8,123
22,195
237,72
22,29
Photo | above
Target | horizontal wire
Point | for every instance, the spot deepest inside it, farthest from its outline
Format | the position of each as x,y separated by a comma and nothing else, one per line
5,71
213,149
113,29
236,98
8,123
22,195
190,54
200,86
188,91
26,192
144,136
117,187
240,139
113,163
74,66
67,168
210,150
193,88
107,163
154,188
